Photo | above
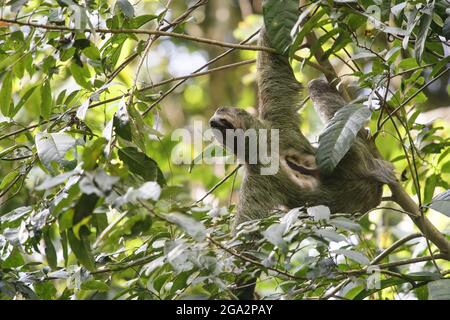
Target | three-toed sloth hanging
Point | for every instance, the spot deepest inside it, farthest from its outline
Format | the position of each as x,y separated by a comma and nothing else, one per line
354,186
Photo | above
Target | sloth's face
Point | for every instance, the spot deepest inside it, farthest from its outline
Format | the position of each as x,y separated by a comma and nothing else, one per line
235,129
232,118
239,132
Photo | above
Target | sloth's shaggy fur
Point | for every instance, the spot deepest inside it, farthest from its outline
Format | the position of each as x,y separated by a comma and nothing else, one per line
354,186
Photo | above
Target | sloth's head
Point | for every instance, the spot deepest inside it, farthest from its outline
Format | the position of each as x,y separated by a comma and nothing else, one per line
237,130
232,118
240,132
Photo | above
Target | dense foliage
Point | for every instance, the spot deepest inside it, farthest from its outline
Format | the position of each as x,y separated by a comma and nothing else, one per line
93,207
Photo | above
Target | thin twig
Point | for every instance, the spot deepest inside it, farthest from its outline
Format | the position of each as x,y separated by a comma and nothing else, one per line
173,24
394,264
394,246
197,70
423,87
218,184
198,74
410,261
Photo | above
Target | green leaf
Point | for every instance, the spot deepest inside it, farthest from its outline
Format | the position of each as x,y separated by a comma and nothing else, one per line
424,27
140,131
150,190
446,28
126,8
52,147
192,227
84,207
330,235
81,75
441,203
10,59
15,214
64,247
407,63
140,164
353,255
141,20
423,276
339,135
438,67
340,43
92,53
95,285
383,284
430,185
279,18
6,95
180,282
121,123
345,223
142,96
45,290
14,260
8,179
323,39
439,289
93,152
80,17
305,28
81,248
50,252
23,100
160,281
446,167
46,100
10,150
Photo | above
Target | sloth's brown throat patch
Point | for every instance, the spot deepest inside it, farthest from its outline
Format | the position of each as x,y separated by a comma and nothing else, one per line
303,170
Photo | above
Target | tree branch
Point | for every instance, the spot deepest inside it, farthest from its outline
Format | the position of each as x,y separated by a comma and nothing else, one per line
402,198
145,32
394,246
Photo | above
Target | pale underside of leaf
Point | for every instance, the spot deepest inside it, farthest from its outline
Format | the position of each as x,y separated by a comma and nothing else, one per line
339,135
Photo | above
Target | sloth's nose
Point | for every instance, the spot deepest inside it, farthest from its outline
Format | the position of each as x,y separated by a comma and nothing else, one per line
214,122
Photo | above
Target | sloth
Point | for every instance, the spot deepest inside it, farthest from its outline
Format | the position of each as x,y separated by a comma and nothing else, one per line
356,185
